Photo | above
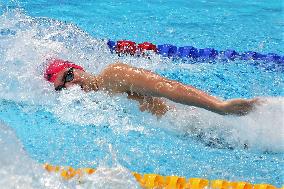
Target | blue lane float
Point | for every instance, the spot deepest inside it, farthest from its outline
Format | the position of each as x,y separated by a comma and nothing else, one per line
230,54
251,55
167,50
199,55
208,53
188,52
111,45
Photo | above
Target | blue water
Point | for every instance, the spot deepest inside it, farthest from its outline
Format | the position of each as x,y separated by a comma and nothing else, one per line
98,130
243,26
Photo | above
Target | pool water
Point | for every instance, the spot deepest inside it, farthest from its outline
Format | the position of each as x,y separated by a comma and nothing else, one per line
243,26
97,130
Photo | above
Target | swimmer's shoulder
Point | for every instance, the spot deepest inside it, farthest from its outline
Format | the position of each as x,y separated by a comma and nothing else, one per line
116,68
118,65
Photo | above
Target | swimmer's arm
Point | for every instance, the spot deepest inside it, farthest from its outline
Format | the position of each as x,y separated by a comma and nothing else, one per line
154,105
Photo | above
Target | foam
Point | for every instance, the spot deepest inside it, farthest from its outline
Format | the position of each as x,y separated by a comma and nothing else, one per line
17,170
262,129
108,178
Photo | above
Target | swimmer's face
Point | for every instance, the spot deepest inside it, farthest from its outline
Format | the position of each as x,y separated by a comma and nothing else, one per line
66,78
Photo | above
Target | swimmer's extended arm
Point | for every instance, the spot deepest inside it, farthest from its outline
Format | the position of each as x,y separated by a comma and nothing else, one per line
154,105
146,83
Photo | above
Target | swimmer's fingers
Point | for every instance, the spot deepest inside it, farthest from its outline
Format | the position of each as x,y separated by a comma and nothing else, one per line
252,105
258,101
239,107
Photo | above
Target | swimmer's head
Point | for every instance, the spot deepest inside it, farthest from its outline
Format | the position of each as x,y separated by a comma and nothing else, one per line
56,66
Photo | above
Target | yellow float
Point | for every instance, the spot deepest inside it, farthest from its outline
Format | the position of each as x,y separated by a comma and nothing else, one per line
148,181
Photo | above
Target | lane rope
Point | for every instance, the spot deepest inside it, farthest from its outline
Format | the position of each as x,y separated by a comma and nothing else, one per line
145,49
159,181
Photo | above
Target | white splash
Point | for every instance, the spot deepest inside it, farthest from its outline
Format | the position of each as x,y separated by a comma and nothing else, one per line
262,129
17,170
110,178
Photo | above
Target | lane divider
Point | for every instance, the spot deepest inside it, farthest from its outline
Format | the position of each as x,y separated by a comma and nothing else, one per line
125,47
158,181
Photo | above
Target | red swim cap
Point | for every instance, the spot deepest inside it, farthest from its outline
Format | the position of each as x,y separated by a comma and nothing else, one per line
57,65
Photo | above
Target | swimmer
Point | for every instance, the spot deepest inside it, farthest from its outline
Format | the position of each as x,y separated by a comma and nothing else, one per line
143,86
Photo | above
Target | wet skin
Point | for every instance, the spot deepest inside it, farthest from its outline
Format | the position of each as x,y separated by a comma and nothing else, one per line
147,88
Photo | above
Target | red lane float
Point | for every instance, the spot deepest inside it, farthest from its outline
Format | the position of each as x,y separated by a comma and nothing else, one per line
147,46
126,47
130,47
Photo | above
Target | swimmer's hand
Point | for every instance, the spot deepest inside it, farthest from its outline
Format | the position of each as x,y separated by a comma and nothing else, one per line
239,107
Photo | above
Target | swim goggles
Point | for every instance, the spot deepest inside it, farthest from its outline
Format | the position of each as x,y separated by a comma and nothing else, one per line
67,77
